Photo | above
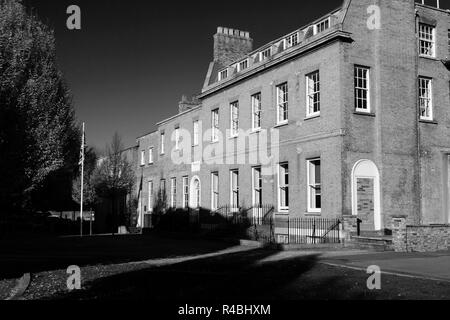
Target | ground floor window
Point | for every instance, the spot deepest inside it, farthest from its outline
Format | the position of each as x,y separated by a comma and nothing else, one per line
257,186
150,196
185,192
314,186
234,189
173,193
214,191
283,186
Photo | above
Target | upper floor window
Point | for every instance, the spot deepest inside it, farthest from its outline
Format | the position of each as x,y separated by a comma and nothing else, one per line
234,116
322,26
162,142
196,133
449,43
282,103
242,65
223,74
177,138
215,125
425,98
142,157
313,94
150,155
283,187
291,40
256,111
314,186
427,40
265,54
214,191
362,89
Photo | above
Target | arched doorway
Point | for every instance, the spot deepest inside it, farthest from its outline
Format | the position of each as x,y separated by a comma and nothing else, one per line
366,195
195,194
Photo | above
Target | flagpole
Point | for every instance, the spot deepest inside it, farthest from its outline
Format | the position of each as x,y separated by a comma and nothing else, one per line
82,183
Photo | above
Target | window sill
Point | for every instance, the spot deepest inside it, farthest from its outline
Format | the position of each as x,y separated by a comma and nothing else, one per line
310,213
312,117
282,212
362,113
255,131
282,124
428,57
428,121
233,137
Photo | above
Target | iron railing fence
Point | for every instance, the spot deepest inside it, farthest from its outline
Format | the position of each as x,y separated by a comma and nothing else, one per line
259,222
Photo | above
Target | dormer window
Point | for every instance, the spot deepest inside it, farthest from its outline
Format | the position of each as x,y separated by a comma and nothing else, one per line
265,54
291,40
223,74
242,65
322,26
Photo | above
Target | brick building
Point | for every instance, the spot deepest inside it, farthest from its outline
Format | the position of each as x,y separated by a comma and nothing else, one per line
354,108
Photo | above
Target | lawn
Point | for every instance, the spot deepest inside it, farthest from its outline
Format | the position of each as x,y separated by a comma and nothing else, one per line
214,271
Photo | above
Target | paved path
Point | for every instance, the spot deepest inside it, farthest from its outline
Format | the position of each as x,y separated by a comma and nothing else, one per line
434,266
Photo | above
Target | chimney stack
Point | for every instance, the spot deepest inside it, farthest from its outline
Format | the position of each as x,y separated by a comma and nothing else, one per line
231,45
186,104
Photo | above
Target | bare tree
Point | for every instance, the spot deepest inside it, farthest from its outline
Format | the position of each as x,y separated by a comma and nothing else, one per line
114,178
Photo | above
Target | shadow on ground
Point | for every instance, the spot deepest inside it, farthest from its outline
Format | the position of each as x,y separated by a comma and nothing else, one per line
43,254
229,276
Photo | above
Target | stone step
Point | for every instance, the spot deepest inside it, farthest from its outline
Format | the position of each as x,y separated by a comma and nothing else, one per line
378,243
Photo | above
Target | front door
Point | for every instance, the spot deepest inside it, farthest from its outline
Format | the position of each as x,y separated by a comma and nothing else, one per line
365,200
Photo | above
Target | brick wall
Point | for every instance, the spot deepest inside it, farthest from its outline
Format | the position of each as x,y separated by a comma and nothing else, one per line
419,238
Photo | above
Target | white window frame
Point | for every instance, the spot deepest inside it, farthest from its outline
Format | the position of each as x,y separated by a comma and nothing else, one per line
358,89
214,191
282,173
234,119
257,190
162,142
234,173
142,157
242,65
312,92
196,132
173,193
256,110
185,192
223,74
289,40
426,98
150,196
215,125
326,25
282,103
263,54
150,155
312,185
427,40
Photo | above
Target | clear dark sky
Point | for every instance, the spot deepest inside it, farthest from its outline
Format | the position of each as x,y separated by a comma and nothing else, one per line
132,60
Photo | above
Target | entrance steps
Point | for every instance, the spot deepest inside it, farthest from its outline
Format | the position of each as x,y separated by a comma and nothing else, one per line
373,240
